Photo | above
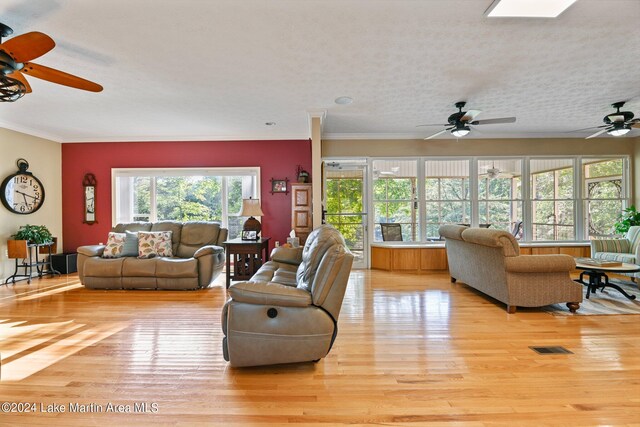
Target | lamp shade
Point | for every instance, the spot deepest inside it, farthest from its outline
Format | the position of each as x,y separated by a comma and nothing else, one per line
251,207
619,130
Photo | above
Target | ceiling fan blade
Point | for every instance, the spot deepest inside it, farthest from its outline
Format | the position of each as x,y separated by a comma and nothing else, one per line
28,46
470,115
589,128
494,121
600,132
434,124
436,134
637,125
59,77
18,76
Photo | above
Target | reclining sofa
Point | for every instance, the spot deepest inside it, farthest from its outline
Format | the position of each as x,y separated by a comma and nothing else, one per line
490,261
198,258
288,311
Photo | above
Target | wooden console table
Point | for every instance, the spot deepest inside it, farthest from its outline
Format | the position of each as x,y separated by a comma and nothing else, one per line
248,256
25,253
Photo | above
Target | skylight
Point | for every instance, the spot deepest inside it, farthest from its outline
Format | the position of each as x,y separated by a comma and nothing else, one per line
527,8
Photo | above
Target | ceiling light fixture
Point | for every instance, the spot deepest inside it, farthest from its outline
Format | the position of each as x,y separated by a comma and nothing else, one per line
343,100
460,131
11,89
527,8
619,130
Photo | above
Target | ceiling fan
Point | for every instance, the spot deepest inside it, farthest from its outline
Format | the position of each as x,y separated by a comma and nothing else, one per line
616,124
493,172
460,122
16,55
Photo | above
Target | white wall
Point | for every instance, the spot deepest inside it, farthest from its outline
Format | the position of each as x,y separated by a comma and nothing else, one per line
45,162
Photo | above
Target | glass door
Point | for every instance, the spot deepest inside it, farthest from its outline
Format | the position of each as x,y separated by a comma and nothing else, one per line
345,205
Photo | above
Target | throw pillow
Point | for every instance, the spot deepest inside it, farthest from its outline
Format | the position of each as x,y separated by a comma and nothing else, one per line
154,243
130,244
115,243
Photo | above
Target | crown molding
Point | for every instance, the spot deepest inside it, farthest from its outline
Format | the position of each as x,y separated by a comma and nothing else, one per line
31,131
185,138
372,136
315,114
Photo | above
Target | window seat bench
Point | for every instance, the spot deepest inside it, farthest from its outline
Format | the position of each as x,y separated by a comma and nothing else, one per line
426,257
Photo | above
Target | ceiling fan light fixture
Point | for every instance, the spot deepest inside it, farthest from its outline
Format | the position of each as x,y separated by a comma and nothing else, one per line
11,89
619,130
461,131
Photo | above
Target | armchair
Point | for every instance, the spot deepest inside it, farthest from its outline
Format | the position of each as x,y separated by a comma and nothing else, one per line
626,249
288,311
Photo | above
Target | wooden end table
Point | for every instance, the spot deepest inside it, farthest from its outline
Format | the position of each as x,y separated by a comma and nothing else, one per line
248,256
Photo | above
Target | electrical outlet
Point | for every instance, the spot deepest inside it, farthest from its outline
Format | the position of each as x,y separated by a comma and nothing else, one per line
6,253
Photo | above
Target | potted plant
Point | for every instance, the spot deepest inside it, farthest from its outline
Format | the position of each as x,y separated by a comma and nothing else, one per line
34,234
628,218
303,175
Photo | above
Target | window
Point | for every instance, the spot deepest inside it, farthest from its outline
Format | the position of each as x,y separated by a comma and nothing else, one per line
344,206
604,195
500,193
213,194
447,196
395,196
552,194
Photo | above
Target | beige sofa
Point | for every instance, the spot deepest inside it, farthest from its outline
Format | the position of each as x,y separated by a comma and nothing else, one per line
288,311
198,259
490,261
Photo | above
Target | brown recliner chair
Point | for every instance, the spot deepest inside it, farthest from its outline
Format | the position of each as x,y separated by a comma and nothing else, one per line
288,311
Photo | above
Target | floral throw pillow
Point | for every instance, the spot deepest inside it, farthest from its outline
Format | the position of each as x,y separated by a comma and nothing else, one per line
154,243
115,243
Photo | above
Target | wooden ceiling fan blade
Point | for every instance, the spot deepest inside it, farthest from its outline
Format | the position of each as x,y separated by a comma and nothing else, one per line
600,132
470,115
28,46
494,121
59,77
18,76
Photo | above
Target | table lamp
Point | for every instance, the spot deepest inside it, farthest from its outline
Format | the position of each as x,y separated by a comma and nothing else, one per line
251,208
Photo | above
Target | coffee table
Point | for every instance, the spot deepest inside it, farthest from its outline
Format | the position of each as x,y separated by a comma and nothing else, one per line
598,276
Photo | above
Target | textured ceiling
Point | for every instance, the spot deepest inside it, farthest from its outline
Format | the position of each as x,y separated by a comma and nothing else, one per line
196,69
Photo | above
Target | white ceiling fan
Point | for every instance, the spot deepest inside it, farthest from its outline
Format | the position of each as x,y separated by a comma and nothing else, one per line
493,172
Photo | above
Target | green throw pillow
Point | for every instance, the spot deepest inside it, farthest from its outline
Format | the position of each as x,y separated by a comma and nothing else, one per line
130,247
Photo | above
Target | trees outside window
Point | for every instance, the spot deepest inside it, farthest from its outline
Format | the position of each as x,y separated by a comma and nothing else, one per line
447,195
603,195
553,200
500,193
395,197
184,195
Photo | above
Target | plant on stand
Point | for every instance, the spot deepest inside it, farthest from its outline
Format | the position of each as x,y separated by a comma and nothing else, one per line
628,218
34,234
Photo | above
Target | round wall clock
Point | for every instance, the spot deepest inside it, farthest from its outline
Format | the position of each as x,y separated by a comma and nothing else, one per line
22,192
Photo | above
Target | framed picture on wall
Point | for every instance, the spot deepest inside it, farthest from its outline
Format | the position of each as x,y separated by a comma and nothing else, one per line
279,185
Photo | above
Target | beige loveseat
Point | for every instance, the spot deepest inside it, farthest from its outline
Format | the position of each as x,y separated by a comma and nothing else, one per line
490,261
198,259
288,311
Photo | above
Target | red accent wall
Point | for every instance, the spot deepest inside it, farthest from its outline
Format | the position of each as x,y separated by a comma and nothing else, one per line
276,159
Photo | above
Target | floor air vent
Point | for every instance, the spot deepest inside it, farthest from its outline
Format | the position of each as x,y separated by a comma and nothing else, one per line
551,350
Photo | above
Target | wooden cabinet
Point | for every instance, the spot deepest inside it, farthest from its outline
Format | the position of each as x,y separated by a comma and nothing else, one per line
301,213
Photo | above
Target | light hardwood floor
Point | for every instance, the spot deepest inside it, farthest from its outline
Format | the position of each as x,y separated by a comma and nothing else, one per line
411,350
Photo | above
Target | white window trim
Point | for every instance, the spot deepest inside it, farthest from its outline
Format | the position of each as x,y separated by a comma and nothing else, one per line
162,172
579,196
